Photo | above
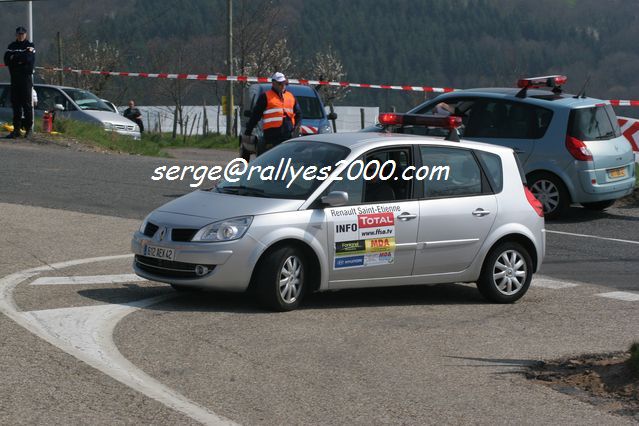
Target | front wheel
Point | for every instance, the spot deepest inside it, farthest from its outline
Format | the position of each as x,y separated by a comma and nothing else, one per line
281,279
506,273
245,154
599,205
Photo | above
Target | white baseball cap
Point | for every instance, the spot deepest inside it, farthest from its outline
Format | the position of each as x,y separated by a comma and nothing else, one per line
279,77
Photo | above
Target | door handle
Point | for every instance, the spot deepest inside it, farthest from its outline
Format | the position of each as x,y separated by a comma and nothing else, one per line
480,212
406,216
518,151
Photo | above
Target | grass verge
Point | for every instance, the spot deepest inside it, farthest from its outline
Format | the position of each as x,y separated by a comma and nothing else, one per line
150,144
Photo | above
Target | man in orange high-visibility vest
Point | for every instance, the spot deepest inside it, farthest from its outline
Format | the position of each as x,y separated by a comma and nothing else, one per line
280,113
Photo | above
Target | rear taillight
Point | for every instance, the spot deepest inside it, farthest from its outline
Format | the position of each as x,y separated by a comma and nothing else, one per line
535,203
578,149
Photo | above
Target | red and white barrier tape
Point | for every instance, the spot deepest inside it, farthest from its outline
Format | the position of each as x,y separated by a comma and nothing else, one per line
247,79
624,103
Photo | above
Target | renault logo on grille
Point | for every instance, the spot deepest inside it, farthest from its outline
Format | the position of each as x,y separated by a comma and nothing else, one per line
161,234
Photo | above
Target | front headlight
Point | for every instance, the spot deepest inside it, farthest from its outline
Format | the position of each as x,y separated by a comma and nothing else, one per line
144,223
326,128
108,126
224,230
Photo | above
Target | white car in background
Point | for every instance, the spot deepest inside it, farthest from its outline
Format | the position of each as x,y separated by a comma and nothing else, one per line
73,104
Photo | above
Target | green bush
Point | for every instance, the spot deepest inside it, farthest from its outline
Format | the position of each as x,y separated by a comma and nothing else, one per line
634,358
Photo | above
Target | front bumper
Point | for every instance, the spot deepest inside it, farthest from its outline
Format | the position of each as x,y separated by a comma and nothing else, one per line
229,265
132,134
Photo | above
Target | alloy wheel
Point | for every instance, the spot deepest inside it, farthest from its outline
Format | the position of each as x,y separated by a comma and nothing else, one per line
291,279
509,272
547,193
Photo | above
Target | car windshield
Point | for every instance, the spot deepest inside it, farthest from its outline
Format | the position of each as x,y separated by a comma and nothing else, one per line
87,100
276,173
311,107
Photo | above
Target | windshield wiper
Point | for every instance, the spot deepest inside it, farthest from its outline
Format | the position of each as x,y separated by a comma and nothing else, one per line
606,136
241,190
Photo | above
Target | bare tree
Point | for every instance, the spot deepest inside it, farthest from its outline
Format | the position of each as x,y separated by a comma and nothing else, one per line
274,57
175,54
259,37
94,56
261,27
327,66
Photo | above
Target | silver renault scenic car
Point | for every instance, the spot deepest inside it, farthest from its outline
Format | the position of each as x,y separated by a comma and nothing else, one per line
377,210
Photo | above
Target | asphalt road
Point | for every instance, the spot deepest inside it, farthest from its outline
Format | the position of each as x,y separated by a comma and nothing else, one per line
121,186
77,351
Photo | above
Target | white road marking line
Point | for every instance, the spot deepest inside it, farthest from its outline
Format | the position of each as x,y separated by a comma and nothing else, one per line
621,295
89,279
593,236
543,282
87,334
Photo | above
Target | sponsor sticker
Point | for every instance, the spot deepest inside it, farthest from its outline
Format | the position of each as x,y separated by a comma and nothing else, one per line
364,236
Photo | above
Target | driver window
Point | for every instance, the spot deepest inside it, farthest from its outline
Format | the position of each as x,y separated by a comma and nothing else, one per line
354,188
376,190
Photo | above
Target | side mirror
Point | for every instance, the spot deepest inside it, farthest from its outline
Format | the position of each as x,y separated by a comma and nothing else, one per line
335,198
58,107
332,116
247,113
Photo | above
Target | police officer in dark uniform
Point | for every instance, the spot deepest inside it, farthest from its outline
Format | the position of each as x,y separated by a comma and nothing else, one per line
20,58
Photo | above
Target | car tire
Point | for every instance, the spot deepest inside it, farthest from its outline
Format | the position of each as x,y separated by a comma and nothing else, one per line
281,279
245,154
506,273
551,192
599,205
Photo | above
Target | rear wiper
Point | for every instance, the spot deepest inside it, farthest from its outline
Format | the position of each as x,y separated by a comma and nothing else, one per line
606,136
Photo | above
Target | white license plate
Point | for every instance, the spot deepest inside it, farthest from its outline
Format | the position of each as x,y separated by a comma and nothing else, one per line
159,252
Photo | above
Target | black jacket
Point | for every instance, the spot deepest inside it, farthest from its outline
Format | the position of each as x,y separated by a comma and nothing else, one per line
20,60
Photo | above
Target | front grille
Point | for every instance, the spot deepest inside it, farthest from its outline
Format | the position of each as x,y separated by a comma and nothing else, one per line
150,229
168,268
182,234
123,127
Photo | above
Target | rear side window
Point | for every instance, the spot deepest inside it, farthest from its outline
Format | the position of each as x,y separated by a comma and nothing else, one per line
593,123
507,120
452,172
522,175
491,164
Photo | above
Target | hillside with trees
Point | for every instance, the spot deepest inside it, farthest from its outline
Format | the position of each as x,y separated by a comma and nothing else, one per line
457,44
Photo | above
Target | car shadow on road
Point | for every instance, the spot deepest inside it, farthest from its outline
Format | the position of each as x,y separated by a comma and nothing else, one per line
215,301
580,215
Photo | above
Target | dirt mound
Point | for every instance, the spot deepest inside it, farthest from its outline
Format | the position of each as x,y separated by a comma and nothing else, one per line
604,380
